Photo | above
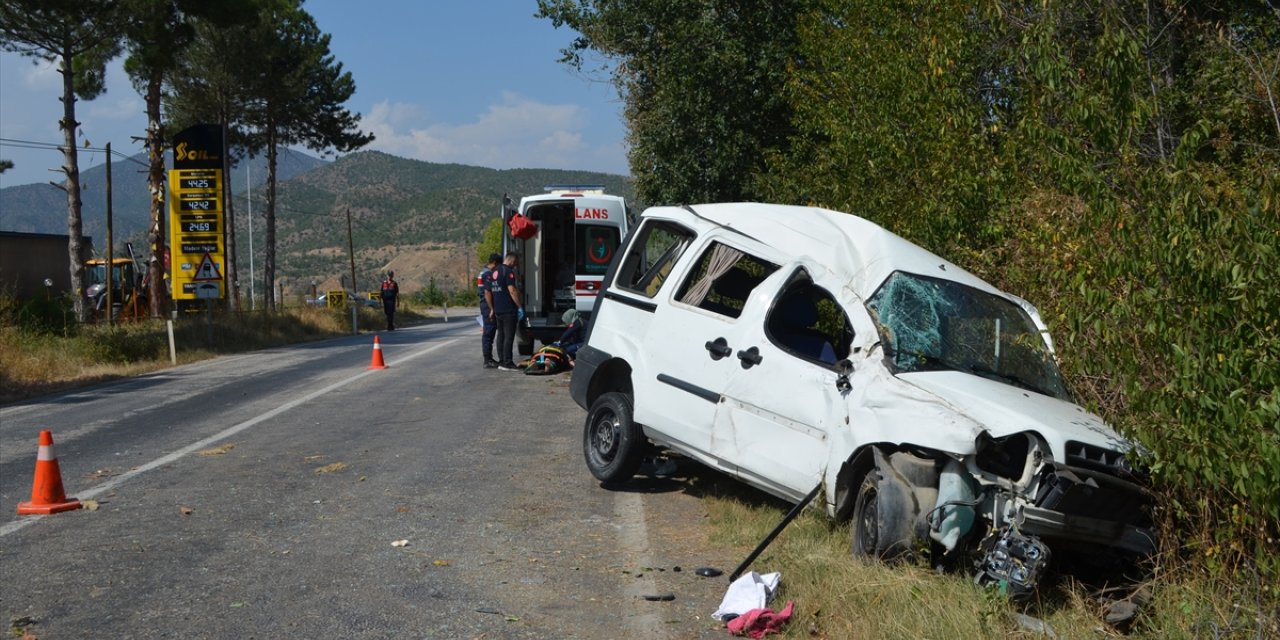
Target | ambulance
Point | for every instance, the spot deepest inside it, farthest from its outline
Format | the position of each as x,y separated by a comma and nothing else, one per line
564,240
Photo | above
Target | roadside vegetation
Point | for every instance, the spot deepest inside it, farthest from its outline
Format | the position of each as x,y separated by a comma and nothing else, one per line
838,596
1115,163
43,350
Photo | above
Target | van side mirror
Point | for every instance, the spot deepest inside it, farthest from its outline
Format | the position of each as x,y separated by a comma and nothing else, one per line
843,369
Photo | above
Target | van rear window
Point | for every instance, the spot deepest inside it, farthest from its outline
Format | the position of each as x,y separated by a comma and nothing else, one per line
596,246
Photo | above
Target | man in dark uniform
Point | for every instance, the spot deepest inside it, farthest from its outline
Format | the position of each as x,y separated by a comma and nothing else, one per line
390,292
506,309
486,303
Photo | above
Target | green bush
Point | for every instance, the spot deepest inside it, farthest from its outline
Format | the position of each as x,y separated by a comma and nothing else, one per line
1115,163
122,344
47,315
434,296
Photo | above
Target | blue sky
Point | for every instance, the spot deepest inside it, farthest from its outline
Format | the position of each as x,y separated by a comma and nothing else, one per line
466,81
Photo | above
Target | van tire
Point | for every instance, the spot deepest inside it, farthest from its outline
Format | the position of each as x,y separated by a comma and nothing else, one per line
881,523
612,442
864,527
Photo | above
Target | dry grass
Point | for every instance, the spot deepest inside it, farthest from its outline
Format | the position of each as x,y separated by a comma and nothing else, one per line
36,362
839,597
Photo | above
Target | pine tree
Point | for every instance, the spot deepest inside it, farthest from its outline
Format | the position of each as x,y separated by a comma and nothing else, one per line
82,36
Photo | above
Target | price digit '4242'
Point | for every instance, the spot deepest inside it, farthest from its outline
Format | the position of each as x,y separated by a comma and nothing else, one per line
198,205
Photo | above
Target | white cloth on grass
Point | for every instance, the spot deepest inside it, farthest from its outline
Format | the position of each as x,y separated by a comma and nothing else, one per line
750,591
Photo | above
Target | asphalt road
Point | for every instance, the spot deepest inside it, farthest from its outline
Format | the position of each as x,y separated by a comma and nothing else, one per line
259,496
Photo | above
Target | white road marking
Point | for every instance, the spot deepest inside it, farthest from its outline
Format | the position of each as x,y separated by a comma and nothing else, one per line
633,537
18,525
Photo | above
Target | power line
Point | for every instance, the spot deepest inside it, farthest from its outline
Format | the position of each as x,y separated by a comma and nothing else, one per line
49,146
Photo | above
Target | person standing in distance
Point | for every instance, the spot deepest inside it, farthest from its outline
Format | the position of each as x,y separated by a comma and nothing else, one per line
390,297
487,323
506,309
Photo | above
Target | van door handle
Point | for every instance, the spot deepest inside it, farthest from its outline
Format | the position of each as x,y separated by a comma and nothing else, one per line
719,348
750,358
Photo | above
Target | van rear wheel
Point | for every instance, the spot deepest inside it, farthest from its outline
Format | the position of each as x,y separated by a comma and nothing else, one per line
612,443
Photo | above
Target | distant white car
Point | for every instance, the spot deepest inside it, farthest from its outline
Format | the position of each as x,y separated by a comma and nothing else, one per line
797,348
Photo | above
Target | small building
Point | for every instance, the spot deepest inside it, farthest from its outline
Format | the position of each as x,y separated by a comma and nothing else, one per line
27,260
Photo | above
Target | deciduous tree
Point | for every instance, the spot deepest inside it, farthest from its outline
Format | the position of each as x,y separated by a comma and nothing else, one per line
701,83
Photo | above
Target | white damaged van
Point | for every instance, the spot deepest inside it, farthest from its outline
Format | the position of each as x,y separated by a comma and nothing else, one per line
798,348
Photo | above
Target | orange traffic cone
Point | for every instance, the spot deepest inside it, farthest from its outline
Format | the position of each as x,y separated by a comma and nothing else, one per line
377,355
47,496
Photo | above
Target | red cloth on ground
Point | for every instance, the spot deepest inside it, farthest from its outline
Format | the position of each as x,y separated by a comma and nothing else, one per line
757,623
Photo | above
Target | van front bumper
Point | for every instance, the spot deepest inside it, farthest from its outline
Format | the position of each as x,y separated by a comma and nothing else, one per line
1057,526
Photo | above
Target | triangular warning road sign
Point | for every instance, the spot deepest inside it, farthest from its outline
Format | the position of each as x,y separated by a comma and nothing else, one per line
207,271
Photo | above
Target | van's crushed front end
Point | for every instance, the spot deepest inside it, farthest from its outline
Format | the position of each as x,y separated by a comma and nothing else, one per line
1092,503
1041,474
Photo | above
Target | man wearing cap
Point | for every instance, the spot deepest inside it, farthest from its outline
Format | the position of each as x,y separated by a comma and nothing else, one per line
487,322
390,292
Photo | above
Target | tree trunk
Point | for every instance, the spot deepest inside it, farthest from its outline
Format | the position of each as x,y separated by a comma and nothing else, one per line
229,224
157,294
71,168
269,261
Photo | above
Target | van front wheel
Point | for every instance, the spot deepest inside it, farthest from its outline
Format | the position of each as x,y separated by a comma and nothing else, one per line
865,526
883,517
611,441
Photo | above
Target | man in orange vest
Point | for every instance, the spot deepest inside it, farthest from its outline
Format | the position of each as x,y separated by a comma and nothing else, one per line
390,296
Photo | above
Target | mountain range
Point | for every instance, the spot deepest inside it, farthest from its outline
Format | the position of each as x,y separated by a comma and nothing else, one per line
421,219
42,207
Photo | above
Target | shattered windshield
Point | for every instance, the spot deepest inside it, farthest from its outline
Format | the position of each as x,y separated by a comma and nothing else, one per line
927,324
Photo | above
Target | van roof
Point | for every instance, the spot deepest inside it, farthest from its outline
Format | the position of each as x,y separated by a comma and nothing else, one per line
562,195
856,250
593,189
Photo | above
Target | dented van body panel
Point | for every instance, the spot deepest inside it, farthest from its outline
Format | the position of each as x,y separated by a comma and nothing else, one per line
792,346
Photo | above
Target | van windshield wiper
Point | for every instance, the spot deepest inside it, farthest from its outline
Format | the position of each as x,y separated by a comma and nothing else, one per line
925,362
1002,377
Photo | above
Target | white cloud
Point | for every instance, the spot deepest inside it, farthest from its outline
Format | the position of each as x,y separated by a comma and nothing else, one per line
517,132
120,107
41,75
120,103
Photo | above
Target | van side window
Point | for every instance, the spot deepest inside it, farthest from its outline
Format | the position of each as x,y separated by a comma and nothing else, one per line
657,247
806,321
722,280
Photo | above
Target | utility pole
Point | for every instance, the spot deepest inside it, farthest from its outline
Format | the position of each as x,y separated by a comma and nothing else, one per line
248,184
111,302
351,253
